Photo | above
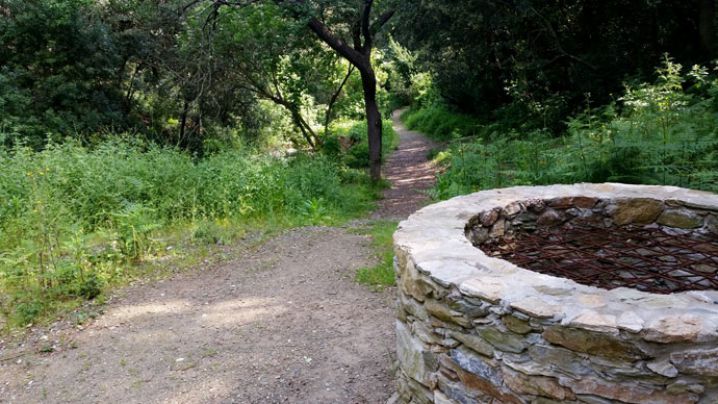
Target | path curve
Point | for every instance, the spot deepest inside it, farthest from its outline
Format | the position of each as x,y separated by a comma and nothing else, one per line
286,323
410,173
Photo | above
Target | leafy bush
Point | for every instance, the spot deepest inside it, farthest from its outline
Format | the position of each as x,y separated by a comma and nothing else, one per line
441,124
661,133
357,156
73,218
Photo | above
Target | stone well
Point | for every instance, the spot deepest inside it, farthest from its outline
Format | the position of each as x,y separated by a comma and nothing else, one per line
475,328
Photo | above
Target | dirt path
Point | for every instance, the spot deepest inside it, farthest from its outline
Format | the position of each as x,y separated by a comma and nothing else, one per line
410,173
285,323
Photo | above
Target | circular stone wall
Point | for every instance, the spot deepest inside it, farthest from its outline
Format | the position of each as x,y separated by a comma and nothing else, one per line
474,328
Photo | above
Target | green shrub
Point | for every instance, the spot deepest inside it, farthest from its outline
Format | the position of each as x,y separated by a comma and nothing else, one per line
73,219
90,287
661,133
26,312
357,156
441,124
210,232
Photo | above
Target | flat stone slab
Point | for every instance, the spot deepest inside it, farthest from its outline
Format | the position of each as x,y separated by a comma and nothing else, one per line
474,328
434,239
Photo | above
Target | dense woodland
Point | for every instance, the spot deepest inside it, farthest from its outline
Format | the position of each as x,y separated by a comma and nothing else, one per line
131,127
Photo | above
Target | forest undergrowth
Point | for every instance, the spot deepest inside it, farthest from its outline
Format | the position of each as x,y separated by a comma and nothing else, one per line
76,221
656,133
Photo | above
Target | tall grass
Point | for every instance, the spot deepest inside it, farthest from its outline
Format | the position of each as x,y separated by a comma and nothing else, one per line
660,133
442,124
72,219
380,275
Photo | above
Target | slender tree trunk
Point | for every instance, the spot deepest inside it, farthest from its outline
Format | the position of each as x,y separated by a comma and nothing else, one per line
303,126
359,55
333,100
183,122
131,88
707,27
374,124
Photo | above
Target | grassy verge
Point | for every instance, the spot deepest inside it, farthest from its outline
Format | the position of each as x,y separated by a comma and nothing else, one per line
190,246
75,222
381,275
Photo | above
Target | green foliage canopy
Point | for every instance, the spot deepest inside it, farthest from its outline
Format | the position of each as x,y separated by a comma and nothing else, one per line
538,59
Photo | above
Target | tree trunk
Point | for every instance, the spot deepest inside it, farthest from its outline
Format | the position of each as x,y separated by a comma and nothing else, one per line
360,56
183,123
303,126
374,124
707,27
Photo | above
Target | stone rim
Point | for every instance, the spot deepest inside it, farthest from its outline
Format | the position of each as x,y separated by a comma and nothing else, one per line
433,240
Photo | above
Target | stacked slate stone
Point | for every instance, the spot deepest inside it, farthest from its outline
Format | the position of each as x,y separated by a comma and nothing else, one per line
472,328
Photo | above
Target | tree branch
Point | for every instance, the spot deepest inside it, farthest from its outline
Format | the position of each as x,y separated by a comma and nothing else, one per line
365,22
333,100
557,41
356,35
381,21
554,35
354,57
